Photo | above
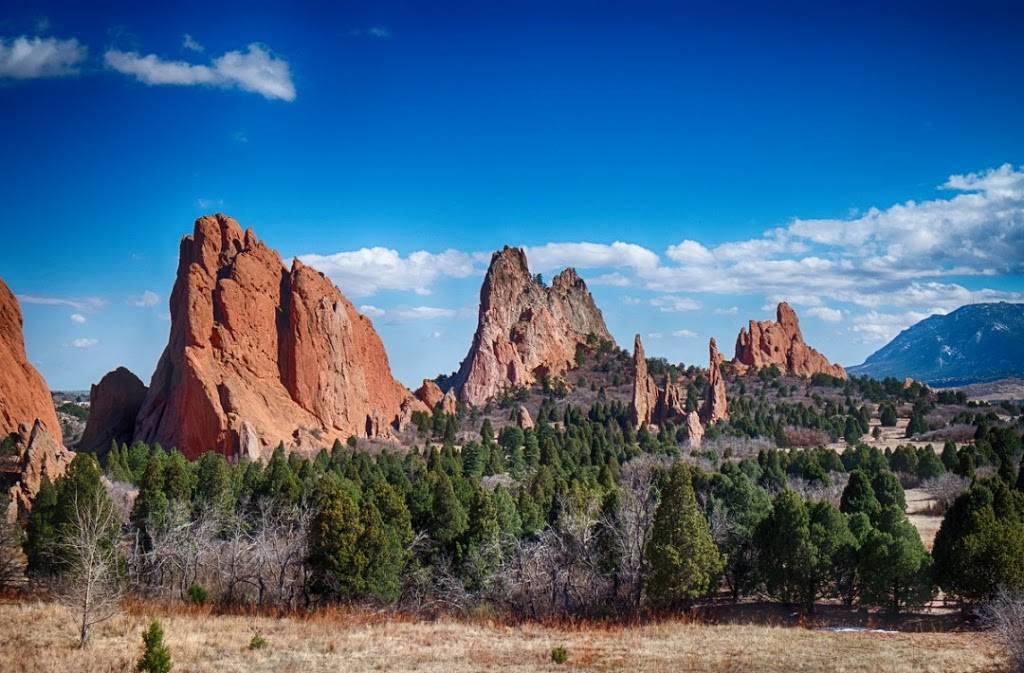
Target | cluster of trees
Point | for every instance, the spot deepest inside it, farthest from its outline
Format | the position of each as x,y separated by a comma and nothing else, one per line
580,515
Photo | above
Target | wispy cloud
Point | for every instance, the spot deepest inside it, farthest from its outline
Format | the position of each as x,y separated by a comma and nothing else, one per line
373,32
38,57
188,42
256,70
684,333
77,318
586,255
84,342
77,303
146,299
825,313
674,304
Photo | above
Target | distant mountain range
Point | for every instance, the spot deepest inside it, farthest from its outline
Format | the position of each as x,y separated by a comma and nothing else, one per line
975,343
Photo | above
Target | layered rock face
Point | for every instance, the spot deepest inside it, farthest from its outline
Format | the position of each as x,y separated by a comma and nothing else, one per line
24,396
114,403
261,354
715,407
525,330
27,416
37,454
765,343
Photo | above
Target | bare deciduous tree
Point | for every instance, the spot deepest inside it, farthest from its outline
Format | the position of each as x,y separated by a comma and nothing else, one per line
90,585
1005,616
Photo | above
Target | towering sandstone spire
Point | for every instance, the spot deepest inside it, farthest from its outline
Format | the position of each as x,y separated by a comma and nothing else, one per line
261,354
525,330
716,407
781,343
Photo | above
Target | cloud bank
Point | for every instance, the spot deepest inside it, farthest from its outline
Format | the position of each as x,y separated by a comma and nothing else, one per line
38,57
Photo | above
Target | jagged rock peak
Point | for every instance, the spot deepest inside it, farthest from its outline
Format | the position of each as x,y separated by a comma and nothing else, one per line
24,395
430,393
37,453
525,330
645,391
114,403
261,354
716,407
764,343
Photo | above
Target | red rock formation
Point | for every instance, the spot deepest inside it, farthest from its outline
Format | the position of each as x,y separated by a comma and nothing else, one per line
781,343
523,418
645,391
24,396
114,403
37,453
429,393
449,403
715,408
694,430
525,330
261,354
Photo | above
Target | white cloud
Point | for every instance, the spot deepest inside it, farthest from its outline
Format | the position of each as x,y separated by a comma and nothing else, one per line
672,304
83,342
77,318
190,43
146,299
654,335
372,311
615,279
875,327
36,57
79,304
825,313
421,313
363,272
256,70
732,310
684,333
585,255
690,252
207,204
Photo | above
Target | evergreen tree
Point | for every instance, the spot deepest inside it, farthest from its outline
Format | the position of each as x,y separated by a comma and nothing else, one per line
859,496
681,555
786,554
895,568
888,490
41,532
336,562
156,657
887,415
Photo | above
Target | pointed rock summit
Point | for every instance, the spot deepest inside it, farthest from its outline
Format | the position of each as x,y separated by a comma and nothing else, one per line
716,407
430,393
780,342
261,354
525,330
114,403
24,396
645,390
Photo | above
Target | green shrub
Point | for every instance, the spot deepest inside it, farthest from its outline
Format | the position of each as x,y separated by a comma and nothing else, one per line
258,642
559,655
197,594
156,658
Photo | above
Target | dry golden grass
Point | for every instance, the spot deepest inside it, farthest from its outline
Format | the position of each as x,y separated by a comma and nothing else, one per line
919,508
38,637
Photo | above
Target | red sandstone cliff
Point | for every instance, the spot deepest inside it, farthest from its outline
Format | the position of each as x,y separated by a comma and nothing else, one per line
114,403
525,330
766,342
24,396
261,354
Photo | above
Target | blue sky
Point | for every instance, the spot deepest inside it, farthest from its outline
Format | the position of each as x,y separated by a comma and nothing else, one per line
863,163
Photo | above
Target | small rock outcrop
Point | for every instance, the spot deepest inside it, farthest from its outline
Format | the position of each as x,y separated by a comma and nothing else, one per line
24,395
37,453
523,418
261,354
716,407
430,393
694,429
114,403
764,343
450,403
525,330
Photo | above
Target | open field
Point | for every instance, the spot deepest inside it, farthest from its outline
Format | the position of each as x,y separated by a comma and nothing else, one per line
919,503
40,638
